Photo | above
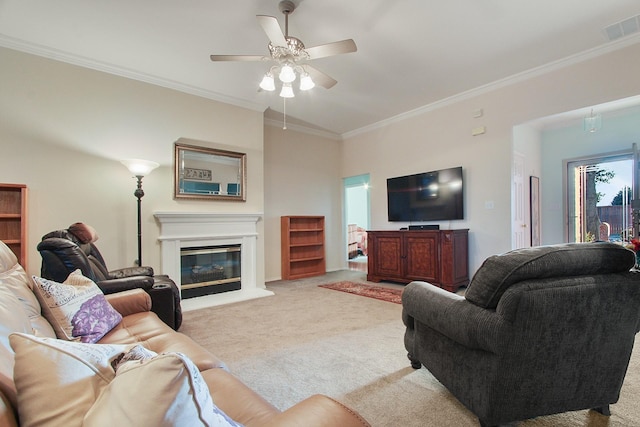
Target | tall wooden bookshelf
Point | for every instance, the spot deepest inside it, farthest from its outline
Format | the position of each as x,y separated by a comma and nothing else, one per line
302,242
13,219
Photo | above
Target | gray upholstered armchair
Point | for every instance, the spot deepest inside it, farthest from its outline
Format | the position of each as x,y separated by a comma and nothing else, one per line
539,331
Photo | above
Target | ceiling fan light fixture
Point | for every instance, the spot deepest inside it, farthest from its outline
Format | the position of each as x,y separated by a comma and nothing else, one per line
306,82
267,83
287,74
592,123
287,91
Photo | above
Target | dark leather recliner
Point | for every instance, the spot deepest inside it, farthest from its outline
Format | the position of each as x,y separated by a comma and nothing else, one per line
64,251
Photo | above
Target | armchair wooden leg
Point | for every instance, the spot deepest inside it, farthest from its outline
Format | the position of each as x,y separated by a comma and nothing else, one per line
415,363
604,410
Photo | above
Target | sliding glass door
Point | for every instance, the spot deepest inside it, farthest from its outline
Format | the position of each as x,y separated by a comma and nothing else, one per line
600,192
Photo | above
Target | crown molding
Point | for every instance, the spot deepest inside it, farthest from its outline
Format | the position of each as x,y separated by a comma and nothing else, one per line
498,84
58,55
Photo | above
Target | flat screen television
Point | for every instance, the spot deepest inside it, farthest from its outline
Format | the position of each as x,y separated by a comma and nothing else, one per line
428,196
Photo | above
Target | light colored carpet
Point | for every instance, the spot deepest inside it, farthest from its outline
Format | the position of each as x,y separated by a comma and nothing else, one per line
307,340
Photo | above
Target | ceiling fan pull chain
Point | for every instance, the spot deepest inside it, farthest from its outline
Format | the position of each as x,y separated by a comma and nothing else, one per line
284,113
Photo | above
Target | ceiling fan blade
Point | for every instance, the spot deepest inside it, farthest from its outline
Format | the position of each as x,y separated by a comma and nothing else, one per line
330,49
270,26
319,77
236,58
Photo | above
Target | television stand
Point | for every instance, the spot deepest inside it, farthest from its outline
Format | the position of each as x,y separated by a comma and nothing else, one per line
439,257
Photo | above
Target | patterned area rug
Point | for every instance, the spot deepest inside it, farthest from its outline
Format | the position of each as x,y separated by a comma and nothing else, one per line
377,292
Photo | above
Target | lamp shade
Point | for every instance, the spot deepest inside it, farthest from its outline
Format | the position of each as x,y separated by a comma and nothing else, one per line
287,75
306,82
287,91
267,83
139,167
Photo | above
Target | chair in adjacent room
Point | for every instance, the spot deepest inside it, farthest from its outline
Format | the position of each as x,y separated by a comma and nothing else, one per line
64,251
539,331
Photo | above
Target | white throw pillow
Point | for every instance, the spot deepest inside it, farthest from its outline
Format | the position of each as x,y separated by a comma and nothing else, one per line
77,308
57,380
162,391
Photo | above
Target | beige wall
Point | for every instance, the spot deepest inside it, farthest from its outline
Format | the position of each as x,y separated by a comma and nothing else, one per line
441,138
302,178
44,103
108,118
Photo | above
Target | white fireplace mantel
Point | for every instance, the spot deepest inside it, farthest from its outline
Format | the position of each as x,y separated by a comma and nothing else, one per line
200,229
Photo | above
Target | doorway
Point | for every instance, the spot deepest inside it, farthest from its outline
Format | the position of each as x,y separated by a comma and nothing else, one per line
600,191
357,217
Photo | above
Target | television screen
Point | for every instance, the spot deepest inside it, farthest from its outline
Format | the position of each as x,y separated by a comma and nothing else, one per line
428,196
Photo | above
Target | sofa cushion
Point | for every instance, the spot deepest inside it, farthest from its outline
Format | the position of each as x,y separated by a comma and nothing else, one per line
48,371
77,308
174,394
13,277
57,380
13,318
499,272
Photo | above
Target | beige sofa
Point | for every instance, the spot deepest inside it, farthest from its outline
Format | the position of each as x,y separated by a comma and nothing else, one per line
138,326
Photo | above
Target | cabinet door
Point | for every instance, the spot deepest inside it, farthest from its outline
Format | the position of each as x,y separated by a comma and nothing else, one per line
422,257
455,264
387,251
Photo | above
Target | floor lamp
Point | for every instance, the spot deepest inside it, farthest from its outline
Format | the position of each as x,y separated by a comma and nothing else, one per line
139,168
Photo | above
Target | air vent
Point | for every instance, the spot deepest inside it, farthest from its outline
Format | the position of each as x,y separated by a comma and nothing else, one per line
623,28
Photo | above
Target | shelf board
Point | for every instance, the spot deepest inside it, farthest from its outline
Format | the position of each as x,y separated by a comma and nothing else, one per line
315,258
10,216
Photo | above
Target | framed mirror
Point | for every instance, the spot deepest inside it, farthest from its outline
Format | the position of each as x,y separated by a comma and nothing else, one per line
208,173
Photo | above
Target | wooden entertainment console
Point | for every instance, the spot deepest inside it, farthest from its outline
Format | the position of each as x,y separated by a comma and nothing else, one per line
439,257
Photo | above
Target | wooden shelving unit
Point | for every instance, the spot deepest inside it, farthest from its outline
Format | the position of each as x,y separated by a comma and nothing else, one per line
302,241
13,219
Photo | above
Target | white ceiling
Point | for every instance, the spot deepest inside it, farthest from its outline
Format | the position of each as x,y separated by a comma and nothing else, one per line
411,53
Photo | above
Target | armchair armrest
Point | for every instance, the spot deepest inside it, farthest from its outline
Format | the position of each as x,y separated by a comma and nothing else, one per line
130,302
455,317
318,411
118,285
131,271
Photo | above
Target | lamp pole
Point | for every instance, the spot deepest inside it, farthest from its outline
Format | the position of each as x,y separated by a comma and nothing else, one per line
139,168
139,193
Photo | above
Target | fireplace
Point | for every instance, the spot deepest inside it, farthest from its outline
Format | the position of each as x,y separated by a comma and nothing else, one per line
212,257
206,270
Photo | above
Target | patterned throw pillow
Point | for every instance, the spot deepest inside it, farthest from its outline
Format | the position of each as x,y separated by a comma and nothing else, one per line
77,308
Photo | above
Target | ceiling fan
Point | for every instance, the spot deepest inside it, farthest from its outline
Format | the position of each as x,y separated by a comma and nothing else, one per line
291,56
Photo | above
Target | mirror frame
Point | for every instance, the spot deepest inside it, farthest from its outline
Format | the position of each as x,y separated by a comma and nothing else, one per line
213,156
